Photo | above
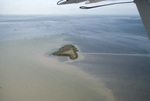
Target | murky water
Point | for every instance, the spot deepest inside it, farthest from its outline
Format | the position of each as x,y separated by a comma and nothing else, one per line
113,63
27,74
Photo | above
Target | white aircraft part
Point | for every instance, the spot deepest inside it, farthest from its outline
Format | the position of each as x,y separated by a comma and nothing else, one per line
94,1
144,10
62,2
77,1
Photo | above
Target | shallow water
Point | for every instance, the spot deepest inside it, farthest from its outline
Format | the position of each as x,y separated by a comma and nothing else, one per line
27,74
113,63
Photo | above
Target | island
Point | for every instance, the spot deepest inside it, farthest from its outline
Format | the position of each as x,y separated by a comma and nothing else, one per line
67,50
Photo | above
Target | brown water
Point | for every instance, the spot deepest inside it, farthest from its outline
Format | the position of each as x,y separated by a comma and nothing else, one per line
27,74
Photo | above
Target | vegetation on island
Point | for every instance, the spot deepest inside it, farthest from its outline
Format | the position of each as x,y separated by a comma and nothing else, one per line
67,50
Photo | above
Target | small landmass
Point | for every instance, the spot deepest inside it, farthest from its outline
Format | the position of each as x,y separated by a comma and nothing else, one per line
67,50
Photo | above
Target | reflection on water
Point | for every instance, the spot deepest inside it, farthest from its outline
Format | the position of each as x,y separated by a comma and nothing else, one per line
27,74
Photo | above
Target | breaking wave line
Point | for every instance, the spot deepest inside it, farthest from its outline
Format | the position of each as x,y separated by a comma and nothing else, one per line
119,54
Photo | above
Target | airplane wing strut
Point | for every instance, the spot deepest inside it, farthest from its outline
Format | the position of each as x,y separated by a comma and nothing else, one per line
144,10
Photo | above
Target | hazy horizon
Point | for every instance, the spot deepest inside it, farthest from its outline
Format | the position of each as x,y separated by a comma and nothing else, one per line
50,7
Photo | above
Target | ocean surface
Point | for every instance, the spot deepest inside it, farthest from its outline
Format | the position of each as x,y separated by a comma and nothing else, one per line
113,62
